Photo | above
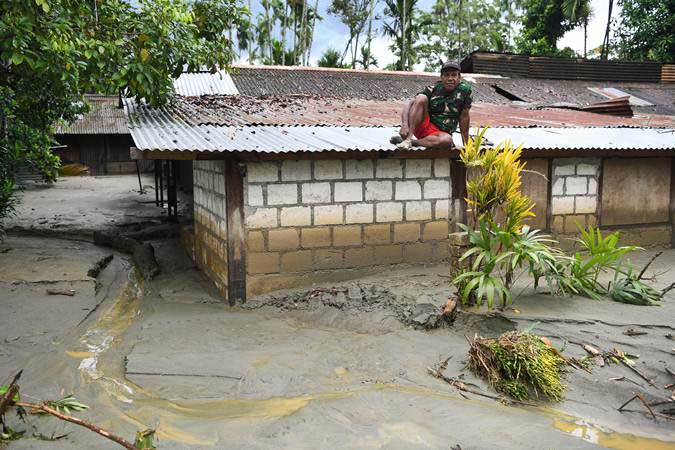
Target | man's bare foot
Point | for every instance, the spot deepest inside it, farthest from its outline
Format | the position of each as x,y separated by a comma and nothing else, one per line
404,145
396,139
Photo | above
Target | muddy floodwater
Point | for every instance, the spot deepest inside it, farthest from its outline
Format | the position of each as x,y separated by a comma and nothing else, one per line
348,371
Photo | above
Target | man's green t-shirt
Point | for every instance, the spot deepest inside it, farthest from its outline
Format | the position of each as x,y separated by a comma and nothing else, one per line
445,107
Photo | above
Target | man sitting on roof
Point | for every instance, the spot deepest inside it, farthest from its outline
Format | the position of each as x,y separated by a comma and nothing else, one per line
434,113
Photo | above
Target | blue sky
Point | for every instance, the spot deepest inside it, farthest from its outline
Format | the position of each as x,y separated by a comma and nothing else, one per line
332,33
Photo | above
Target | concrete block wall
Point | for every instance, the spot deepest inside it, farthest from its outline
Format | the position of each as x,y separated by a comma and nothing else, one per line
323,220
210,230
574,194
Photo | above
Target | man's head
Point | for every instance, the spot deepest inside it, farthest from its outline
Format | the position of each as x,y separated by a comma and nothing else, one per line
450,75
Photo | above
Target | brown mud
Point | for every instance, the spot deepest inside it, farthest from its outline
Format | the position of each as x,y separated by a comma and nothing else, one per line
318,372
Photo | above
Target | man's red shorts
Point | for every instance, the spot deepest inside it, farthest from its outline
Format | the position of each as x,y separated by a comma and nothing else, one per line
426,128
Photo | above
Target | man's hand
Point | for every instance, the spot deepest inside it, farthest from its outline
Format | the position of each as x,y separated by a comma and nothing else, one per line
404,132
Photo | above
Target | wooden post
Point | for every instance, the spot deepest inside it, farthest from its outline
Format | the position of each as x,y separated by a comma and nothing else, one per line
458,180
672,202
236,232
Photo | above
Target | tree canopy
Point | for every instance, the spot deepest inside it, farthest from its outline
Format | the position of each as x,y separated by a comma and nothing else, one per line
52,52
646,30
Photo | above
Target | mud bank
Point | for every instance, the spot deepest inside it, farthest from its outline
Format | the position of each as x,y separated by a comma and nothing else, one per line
170,355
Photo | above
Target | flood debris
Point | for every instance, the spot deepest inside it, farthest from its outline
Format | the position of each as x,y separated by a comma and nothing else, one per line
10,397
362,297
437,372
632,332
99,266
64,291
667,414
143,253
519,364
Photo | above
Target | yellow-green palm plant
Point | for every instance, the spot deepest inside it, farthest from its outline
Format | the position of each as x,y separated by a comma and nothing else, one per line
494,183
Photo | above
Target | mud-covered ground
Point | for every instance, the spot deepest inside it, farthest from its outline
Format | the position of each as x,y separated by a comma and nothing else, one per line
340,366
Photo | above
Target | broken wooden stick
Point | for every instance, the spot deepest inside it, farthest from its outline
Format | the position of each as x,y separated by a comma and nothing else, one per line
12,390
64,291
106,434
642,399
460,385
622,358
649,263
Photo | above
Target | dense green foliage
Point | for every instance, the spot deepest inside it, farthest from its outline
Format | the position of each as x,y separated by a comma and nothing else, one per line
544,23
646,30
451,30
331,58
53,52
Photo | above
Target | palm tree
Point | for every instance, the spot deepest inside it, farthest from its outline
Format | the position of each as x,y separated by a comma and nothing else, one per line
575,9
402,29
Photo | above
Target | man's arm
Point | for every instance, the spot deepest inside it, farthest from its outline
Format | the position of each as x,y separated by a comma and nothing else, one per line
464,120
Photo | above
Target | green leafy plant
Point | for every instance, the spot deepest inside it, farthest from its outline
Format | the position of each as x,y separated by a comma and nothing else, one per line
502,245
145,439
628,287
518,364
599,254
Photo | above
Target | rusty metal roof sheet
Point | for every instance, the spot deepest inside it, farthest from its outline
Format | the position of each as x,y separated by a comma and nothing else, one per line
204,83
104,117
312,110
509,64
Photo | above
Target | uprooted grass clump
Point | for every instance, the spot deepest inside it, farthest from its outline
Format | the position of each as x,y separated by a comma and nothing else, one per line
518,364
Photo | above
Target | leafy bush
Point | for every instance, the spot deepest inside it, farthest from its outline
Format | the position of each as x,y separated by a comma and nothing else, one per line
501,246
496,255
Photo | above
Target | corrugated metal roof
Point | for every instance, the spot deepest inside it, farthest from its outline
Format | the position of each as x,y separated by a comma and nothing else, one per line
561,68
282,139
586,138
204,83
104,117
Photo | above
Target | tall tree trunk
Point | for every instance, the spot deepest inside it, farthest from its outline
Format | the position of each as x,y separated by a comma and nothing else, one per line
311,35
468,29
283,33
349,42
303,30
250,34
295,36
459,28
604,54
366,63
585,36
269,32
403,36
355,49
508,25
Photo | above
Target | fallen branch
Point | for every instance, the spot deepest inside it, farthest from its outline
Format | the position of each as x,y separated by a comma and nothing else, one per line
64,291
644,269
458,384
642,399
622,358
106,434
664,291
12,390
